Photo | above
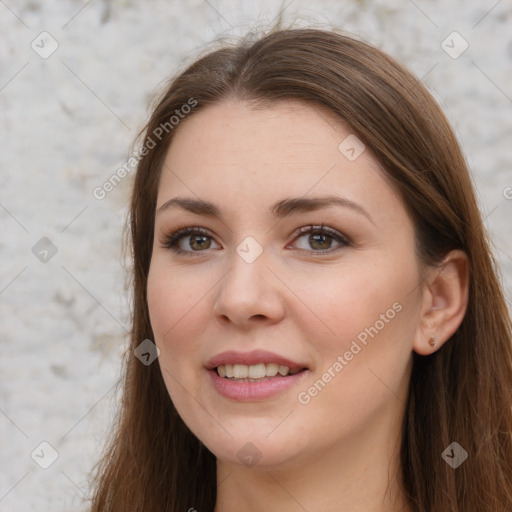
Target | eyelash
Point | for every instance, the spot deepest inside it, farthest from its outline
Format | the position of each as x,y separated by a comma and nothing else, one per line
172,240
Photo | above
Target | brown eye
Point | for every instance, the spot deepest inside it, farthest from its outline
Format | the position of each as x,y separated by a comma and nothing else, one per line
198,242
320,239
188,241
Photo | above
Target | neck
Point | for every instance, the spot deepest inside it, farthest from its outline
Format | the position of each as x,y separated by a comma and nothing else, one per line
359,474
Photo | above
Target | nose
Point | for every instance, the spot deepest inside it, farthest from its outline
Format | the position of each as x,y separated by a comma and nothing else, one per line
249,294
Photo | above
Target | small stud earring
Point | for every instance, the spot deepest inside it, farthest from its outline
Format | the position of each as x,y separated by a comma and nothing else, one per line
432,341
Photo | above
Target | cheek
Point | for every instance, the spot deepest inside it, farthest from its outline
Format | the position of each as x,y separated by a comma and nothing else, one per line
350,300
176,310
178,318
369,314
364,367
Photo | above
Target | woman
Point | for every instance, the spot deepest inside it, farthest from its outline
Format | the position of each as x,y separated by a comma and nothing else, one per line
310,261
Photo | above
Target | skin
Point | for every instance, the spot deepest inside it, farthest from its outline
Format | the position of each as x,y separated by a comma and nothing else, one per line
302,298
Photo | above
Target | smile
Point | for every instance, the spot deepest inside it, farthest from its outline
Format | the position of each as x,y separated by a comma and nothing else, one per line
254,376
254,372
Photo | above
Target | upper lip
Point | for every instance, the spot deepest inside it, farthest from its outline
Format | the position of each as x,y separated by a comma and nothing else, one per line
251,358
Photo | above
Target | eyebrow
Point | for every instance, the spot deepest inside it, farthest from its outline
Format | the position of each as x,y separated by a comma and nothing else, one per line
279,210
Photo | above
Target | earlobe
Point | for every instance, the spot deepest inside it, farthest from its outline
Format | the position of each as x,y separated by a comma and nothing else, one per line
444,303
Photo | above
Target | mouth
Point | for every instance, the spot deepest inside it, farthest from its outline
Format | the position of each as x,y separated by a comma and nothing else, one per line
254,376
256,372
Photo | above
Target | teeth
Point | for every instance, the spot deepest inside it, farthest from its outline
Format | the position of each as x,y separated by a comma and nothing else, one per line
283,370
254,371
272,369
241,371
257,371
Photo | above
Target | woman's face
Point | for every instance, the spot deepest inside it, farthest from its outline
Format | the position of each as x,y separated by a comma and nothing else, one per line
262,286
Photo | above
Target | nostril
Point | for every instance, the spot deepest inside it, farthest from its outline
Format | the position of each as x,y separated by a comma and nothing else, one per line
259,317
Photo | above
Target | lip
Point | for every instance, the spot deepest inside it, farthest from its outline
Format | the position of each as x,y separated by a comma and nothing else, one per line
254,391
250,358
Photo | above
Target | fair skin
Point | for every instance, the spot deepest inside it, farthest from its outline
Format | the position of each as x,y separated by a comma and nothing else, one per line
305,297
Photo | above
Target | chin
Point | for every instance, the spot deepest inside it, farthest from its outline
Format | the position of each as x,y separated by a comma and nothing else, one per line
255,451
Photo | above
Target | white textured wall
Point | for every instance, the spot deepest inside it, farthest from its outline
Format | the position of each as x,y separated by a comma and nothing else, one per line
67,123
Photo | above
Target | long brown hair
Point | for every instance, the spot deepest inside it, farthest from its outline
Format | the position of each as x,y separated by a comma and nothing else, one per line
462,392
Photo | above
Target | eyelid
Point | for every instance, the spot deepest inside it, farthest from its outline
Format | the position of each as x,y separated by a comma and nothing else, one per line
334,233
171,240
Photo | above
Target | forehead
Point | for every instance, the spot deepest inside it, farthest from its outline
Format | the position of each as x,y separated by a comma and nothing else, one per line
239,129
243,156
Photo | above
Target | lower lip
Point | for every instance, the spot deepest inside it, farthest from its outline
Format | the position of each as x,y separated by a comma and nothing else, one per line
253,391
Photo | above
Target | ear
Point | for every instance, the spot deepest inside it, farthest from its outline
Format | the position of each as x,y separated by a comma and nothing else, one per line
444,302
